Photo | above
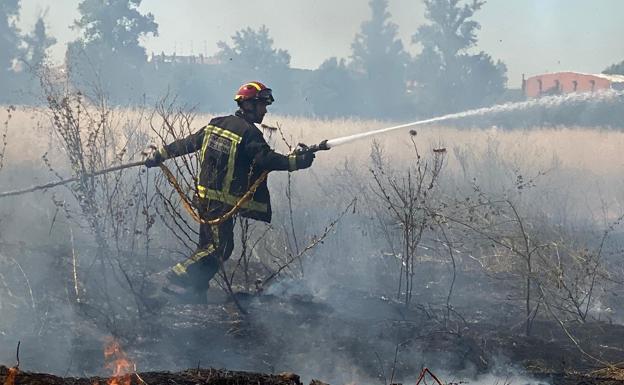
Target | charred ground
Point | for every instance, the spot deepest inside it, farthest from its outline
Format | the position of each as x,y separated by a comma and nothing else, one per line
498,256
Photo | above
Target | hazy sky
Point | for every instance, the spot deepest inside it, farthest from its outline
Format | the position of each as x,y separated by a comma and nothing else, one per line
530,36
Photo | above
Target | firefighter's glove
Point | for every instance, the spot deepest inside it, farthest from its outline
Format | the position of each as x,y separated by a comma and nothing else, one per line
154,158
305,160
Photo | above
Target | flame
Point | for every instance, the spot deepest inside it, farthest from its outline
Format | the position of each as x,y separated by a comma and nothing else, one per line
118,362
10,379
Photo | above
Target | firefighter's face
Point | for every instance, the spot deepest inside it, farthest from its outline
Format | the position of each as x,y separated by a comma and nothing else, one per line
255,110
261,110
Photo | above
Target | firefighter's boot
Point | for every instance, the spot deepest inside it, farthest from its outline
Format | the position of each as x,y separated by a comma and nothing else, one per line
184,292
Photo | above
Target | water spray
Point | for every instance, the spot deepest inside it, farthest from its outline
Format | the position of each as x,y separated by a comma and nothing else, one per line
547,102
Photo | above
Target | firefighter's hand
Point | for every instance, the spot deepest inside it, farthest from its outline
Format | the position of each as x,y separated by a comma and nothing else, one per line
153,157
305,160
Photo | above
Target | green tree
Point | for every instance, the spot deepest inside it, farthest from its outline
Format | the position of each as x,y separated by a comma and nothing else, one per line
447,77
332,89
253,50
38,42
615,69
253,57
115,26
9,37
109,50
378,55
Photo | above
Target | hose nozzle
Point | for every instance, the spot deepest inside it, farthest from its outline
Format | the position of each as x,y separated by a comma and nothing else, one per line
304,149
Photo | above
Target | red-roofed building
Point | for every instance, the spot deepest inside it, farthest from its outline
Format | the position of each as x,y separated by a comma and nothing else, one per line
568,82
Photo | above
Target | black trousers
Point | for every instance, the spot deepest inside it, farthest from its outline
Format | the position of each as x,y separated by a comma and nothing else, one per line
215,247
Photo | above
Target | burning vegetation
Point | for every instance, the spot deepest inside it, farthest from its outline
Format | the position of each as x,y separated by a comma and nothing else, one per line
471,258
472,250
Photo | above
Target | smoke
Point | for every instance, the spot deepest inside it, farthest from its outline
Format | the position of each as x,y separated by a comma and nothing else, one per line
339,315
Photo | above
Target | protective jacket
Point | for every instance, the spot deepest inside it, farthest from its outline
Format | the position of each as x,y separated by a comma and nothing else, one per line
233,154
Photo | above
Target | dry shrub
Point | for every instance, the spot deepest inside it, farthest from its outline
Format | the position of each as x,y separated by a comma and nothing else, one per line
568,162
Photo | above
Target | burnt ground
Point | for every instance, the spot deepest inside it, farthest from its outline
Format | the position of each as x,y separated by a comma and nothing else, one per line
13,376
187,377
217,334
342,335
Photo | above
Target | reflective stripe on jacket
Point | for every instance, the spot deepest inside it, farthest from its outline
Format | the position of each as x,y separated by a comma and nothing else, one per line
233,154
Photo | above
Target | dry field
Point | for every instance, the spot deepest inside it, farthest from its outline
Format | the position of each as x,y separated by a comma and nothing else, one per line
587,162
578,186
592,150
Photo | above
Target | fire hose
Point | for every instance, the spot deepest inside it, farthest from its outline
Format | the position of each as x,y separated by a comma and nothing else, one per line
69,180
186,203
324,145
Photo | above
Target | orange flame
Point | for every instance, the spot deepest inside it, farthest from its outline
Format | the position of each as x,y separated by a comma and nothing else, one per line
118,362
10,379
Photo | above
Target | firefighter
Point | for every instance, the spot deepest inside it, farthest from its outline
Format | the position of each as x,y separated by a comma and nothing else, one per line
232,154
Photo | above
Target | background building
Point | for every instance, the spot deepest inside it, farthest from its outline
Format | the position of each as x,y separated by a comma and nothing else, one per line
567,82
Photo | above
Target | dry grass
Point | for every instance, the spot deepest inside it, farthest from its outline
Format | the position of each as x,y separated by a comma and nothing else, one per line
589,150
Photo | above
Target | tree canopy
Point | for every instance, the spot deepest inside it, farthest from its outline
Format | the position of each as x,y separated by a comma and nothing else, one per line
447,76
615,69
332,90
253,49
108,53
379,56
9,34
450,31
115,26
37,43
379,79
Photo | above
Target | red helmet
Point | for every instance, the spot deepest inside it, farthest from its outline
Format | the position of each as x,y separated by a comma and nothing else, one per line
254,91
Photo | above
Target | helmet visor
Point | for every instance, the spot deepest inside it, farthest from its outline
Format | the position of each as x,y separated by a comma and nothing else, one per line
266,95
